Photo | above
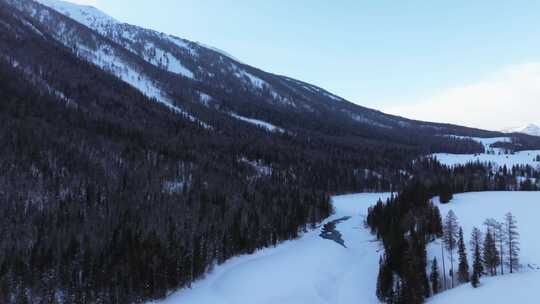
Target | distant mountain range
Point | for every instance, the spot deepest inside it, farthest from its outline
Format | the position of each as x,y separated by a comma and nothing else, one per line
530,129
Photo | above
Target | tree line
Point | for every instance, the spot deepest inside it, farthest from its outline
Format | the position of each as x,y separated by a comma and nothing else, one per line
491,251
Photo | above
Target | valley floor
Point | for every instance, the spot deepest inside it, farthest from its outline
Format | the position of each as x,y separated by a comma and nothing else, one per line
310,270
315,270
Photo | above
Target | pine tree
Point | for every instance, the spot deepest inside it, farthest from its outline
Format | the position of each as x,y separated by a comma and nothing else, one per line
436,222
385,281
512,242
491,255
499,237
463,268
450,239
475,279
434,277
476,248
478,267
412,285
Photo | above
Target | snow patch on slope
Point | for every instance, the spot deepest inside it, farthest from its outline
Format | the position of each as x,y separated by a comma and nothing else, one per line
84,14
249,78
165,61
184,44
105,58
259,123
103,24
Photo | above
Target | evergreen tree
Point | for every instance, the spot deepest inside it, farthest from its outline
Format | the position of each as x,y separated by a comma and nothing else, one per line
476,248
491,255
437,222
463,268
478,267
434,277
445,194
385,282
411,286
512,242
475,279
450,238
499,237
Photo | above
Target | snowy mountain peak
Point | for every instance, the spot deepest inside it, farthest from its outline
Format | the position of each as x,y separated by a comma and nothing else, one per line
84,14
531,129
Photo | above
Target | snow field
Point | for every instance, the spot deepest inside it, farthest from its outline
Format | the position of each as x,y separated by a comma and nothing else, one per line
495,156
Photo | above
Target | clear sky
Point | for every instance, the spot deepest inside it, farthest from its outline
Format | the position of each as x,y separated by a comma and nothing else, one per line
469,62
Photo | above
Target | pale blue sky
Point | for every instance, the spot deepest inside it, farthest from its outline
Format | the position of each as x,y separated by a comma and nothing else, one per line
389,55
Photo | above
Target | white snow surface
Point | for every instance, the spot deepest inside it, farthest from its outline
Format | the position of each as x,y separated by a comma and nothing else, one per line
85,14
495,156
165,60
308,270
251,79
105,58
518,158
103,23
471,210
259,123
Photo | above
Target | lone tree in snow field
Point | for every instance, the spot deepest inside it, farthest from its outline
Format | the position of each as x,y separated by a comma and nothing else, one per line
512,242
450,238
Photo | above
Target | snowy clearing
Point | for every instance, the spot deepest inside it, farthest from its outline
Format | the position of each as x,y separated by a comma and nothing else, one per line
472,209
495,156
309,270
518,158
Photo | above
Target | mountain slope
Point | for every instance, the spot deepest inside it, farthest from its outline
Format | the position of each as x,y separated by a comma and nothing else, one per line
192,78
530,129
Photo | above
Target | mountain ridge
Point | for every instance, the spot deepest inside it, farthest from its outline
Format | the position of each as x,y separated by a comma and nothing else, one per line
530,129
201,68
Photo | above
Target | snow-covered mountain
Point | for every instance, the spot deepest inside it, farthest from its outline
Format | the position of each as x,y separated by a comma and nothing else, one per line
206,85
530,129
187,76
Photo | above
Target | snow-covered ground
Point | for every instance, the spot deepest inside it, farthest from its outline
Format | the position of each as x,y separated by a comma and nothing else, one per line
310,270
494,156
313,270
259,123
472,209
518,158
